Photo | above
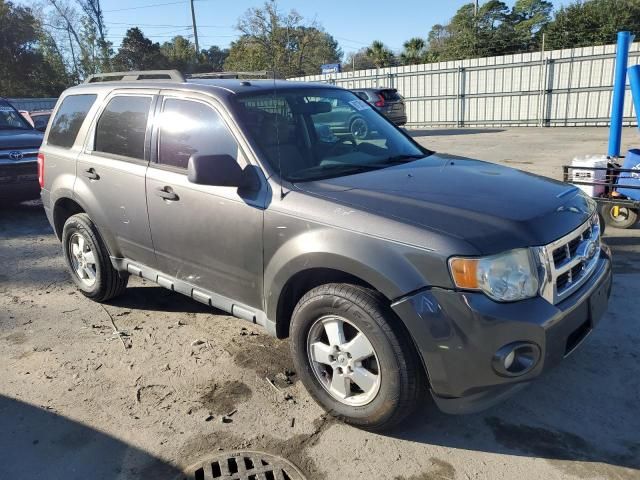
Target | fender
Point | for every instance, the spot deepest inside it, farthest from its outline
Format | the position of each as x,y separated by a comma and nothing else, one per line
388,266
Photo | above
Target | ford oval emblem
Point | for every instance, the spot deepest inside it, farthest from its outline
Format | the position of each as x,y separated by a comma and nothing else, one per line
16,155
587,250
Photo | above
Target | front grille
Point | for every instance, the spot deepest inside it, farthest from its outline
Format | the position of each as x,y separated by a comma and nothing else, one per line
16,156
572,260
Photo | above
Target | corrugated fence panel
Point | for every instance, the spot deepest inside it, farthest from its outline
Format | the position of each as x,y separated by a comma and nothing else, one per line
569,87
32,104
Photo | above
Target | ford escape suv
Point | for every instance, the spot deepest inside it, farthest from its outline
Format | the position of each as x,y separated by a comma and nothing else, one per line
393,270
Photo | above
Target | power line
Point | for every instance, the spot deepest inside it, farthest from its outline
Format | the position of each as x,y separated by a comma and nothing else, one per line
144,6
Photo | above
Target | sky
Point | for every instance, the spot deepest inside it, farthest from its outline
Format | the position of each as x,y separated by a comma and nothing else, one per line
355,24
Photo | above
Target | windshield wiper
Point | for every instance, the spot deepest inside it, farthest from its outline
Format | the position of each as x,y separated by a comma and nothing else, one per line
336,169
404,158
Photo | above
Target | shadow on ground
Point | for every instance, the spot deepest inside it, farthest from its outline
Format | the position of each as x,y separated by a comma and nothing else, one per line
162,300
38,443
426,132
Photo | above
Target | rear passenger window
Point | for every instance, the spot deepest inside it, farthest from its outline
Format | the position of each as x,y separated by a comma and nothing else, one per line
69,119
122,126
188,127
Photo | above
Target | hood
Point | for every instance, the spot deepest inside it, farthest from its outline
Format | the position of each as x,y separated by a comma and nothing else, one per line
494,208
19,138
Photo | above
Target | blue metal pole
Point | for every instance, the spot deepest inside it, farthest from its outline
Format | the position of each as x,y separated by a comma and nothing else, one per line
634,80
619,86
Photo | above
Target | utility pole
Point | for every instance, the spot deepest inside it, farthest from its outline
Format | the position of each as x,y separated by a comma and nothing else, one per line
475,10
195,28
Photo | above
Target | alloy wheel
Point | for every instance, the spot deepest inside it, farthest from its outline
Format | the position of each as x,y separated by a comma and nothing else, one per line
343,360
82,259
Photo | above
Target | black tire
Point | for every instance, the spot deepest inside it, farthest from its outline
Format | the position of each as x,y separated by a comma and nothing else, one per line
402,377
626,218
109,283
359,128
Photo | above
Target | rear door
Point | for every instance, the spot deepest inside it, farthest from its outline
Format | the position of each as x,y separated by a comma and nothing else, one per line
111,173
206,236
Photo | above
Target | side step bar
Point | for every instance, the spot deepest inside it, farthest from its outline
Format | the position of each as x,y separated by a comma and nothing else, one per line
212,299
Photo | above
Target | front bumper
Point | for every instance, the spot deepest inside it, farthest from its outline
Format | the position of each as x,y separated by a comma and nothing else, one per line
458,333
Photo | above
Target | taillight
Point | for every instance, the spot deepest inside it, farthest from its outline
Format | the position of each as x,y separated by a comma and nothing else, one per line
380,102
41,169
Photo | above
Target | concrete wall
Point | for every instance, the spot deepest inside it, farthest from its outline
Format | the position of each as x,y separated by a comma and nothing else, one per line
570,87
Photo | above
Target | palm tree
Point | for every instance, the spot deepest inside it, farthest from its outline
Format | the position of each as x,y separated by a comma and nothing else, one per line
414,51
380,55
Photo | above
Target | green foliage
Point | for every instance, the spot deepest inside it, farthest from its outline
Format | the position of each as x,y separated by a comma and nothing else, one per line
595,22
282,43
137,52
31,66
380,55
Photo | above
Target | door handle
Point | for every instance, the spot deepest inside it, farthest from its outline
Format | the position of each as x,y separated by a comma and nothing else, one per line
167,193
91,174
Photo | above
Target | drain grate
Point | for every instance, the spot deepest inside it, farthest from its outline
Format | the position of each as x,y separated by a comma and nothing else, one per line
244,465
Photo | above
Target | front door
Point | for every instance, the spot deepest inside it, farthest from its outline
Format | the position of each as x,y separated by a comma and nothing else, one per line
207,236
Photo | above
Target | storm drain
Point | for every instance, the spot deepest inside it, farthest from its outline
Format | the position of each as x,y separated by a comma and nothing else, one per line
244,465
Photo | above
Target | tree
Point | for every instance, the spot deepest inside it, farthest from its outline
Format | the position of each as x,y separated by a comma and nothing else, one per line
180,54
596,22
284,44
137,52
357,61
530,18
415,52
214,57
380,55
30,66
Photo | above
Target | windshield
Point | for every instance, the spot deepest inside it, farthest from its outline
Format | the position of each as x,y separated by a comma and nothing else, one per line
11,119
309,134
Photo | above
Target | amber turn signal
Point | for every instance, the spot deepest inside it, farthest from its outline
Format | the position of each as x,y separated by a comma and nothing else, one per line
464,272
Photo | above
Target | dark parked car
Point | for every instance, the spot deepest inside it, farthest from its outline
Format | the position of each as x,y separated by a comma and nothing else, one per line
19,143
387,101
392,269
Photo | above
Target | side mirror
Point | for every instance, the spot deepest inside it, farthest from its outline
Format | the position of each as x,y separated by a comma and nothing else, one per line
41,128
216,170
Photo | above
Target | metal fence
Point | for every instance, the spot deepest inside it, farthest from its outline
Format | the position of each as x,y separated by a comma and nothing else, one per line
32,104
570,87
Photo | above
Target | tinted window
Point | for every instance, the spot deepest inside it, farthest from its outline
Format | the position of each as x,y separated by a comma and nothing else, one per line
69,119
308,134
390,95
40,121
188,127
122,126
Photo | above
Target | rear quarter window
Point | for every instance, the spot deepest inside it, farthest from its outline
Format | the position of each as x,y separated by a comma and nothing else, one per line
68,120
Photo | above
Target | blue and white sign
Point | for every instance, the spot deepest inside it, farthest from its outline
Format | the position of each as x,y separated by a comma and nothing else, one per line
331,68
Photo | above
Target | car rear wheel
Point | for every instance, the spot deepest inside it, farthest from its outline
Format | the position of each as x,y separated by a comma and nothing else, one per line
354,357
88,261
618,216
359,128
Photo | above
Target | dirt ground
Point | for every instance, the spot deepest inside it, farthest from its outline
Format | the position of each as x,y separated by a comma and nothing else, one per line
78,401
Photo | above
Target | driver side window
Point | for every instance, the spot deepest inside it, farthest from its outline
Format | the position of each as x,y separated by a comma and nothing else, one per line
187,127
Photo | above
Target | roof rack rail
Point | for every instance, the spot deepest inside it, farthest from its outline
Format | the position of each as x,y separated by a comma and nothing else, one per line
257,74
158,75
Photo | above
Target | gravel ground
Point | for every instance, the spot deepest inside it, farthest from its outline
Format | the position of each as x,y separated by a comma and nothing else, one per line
80,401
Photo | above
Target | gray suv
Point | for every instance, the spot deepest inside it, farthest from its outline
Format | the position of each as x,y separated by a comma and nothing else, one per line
394,271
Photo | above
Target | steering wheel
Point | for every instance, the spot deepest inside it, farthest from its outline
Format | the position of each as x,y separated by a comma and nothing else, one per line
342,141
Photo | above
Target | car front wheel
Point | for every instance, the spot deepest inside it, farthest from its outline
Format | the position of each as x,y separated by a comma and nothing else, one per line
354,357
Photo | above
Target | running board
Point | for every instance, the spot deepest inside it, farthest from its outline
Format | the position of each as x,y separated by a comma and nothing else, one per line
201,295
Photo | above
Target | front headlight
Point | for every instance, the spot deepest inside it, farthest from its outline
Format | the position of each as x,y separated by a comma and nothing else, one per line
505,277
